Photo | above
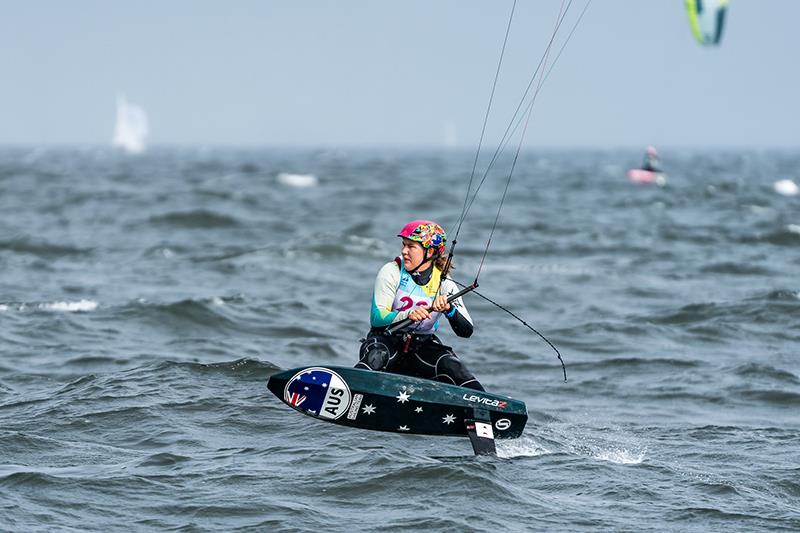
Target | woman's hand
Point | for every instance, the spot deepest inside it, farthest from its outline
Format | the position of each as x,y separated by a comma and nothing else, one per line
440,304
419,314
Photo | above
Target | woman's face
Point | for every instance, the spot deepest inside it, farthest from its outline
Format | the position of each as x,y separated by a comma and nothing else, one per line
413,254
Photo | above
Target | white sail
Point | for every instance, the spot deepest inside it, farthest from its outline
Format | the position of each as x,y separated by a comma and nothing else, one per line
130,130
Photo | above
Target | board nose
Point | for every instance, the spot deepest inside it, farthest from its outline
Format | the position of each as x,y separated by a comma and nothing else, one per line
276,384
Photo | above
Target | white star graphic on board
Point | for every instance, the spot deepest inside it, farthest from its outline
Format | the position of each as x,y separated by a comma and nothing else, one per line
324,385
402,397
403,428
449,419
368,409
418,410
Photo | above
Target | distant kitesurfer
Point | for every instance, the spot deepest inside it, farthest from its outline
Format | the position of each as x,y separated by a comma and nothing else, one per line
406,288
651,161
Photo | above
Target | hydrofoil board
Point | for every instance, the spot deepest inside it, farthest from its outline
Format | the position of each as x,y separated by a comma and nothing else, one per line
382,401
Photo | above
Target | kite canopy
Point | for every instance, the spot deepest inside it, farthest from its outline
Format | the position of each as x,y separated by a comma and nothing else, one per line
706,18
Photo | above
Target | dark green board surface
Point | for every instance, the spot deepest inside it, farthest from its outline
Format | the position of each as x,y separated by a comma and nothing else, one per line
391,402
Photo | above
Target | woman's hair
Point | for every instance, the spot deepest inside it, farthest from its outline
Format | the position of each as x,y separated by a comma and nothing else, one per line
441,262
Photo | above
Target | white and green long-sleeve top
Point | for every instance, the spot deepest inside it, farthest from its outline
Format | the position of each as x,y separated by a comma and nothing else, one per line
397,293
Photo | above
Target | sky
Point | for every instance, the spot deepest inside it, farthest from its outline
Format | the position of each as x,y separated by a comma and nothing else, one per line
416,73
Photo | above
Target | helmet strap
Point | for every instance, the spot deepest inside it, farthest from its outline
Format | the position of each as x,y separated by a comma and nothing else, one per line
432,259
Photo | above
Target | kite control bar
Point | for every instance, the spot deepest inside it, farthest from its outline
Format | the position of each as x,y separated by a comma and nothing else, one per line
407,322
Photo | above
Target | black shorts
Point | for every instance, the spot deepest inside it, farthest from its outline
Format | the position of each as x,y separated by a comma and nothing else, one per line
422,356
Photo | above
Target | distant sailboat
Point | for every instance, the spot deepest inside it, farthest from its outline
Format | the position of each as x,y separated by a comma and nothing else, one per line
130,130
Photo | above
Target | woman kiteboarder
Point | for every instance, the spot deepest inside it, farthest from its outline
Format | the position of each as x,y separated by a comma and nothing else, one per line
414,286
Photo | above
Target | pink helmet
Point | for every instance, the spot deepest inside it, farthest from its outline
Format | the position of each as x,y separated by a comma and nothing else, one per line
651,150
428,234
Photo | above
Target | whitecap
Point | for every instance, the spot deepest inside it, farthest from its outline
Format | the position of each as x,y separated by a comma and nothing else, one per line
614,445
620,456
81,305
298,180
786,187
522,447
794,228
365,241
375,247
3,307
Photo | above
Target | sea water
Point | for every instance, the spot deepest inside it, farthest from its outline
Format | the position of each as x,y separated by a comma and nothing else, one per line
145,300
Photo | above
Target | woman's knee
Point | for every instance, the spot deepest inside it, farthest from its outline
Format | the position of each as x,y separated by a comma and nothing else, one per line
450,369
374,354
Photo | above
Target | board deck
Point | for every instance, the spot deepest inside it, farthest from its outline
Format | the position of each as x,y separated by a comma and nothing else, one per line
392,402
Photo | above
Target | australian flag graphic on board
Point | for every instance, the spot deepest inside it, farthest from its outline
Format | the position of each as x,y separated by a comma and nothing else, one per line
306,390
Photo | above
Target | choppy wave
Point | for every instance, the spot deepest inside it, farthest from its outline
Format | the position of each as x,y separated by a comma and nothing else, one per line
209,312
741,269
43,249
145,303
783,398
766,372
773,307
784,236
199,218
66,306
636,363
